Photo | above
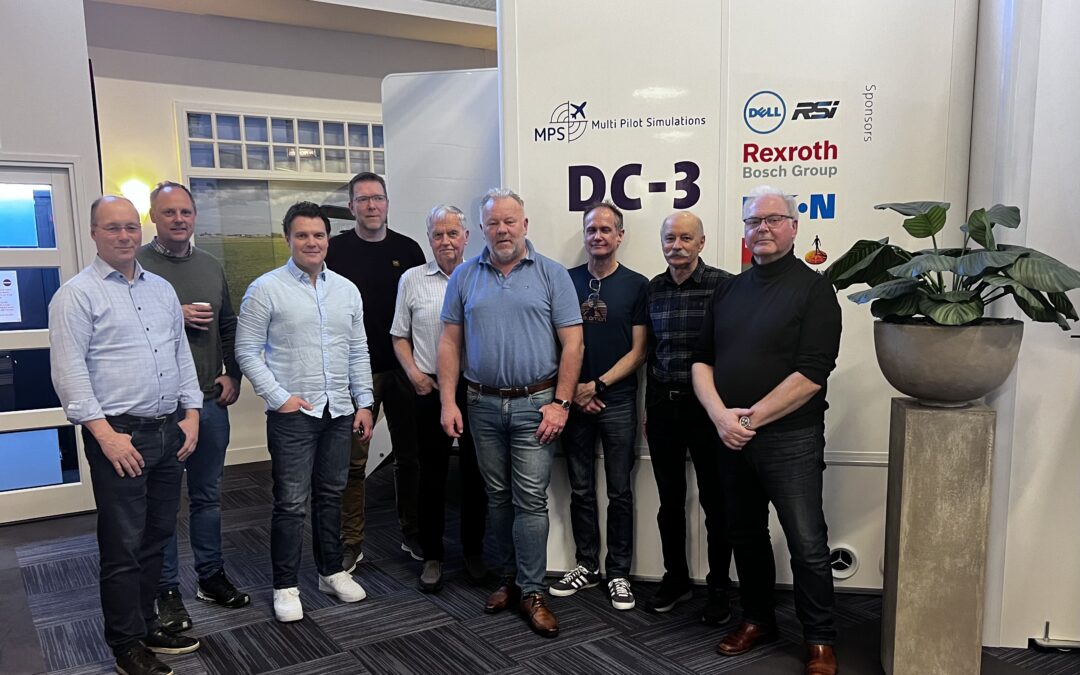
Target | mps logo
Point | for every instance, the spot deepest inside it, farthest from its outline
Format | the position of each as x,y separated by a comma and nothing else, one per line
566,124
764,112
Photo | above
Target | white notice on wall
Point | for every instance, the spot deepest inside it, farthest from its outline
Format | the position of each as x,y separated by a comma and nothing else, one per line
10,312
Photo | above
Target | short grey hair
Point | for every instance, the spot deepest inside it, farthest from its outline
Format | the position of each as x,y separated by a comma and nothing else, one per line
498,193
767,191
442,212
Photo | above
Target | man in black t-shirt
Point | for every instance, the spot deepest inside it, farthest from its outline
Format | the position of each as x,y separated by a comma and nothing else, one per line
374,257
612,299
770,338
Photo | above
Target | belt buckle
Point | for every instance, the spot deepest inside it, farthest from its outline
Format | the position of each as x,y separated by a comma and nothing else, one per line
506,392
674,395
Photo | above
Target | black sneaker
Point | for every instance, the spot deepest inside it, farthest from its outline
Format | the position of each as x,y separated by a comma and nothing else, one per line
139,660
717,609
172,614
218,589
622,598
350,555
163,641
573,581
670,594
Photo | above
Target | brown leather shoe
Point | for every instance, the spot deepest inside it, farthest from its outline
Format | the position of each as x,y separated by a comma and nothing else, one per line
820,660
505,595
746,637
542,621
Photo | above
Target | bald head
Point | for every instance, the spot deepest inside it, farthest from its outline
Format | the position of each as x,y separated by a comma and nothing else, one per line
682,237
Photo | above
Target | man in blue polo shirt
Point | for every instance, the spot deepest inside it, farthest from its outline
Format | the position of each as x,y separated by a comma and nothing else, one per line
516,313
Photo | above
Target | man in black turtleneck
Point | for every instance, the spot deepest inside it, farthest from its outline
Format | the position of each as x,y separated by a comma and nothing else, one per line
768,343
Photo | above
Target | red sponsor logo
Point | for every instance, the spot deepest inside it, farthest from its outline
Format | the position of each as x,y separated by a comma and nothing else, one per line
819,151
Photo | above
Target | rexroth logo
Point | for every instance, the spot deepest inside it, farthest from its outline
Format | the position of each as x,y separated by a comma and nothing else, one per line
819,151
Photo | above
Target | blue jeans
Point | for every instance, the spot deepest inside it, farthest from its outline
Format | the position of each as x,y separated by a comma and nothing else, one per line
517,470
136,517
309,458
785,468
616,426
204,469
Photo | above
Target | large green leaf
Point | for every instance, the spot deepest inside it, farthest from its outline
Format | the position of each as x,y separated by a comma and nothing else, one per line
923,264
865,263
952,296
980,229
904,305
976,262
1006,216
1061,303
889,289
912,208
951,252
1032,303
951,313
1043,273
926,224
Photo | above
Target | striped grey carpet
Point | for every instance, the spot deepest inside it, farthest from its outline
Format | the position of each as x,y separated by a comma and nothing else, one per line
398,629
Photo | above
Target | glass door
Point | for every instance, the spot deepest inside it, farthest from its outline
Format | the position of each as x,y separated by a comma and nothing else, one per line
42,469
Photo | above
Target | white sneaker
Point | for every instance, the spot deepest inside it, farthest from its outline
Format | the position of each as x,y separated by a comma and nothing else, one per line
343,586
287,605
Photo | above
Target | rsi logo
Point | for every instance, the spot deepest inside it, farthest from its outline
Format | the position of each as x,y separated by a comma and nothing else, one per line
815,110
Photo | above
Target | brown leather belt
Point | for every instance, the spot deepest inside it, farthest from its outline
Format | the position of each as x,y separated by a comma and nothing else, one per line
512,392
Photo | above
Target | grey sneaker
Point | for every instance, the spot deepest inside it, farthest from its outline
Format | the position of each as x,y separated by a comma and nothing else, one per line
622,597
431,577
352,555
172,615
573,581
411,545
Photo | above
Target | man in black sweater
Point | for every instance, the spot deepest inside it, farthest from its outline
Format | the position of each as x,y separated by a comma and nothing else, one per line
768,343
374,257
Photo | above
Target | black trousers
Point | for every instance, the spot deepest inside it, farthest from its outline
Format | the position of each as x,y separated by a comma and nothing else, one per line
434,450
136,518
675,424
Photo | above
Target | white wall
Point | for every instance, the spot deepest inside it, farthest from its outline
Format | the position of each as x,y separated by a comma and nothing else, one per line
1026,151
146,60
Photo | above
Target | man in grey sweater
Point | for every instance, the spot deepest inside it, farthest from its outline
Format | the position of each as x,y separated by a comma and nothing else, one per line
210,322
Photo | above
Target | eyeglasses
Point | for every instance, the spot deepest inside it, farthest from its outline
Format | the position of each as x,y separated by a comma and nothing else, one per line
113,230
772,221
594,298
377,199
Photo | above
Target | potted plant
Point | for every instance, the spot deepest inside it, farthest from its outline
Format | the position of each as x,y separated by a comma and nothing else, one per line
933,340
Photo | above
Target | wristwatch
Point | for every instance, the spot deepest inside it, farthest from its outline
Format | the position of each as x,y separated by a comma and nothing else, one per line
565,405
600,386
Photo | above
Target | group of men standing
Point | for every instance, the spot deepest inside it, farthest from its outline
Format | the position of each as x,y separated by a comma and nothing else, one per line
507,353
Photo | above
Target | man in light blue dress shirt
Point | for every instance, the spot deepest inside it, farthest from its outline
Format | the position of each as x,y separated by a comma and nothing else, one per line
301,342
122,368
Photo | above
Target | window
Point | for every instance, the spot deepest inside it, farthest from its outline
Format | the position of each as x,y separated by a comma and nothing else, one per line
26,216
282,145
239,222
37,458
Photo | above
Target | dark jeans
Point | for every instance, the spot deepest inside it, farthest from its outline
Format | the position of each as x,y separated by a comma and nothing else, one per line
136,517
310,458
673,427
204,468
393,388
785,468
616,425
434,463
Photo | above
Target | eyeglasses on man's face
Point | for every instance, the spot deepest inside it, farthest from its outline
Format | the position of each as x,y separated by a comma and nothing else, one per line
772,221
114,230
364,199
